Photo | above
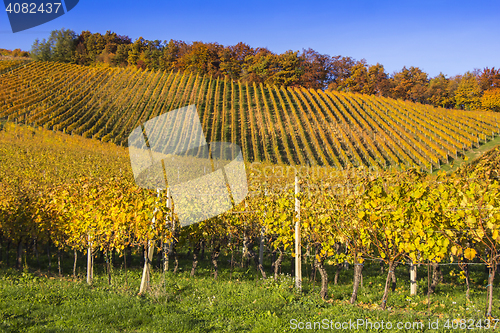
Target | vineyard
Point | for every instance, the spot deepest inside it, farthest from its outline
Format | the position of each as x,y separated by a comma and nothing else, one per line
293,126
68,187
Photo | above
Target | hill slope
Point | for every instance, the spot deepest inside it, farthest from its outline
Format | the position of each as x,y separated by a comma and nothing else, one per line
275,124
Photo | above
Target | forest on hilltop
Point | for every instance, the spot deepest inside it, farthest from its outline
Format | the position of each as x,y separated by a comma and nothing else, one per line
475,90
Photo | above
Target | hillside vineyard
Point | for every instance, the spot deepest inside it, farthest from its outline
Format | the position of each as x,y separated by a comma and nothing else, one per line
292,125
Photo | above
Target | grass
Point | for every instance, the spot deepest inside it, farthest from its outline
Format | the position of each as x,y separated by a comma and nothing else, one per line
40,301
469,156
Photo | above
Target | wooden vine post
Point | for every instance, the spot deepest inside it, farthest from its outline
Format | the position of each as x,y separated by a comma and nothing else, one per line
148,258
298,251
90,259
261,246
413,279
167,246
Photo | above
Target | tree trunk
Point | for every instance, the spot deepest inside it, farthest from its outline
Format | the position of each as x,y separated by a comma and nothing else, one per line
128,252
358,269
247,245
49,254
465,268
196,252
37,254
437,276
75,254
215,256
312,277
386,289
143,255
159,257
172,254
259,266
7,253
337,273
202,254
277,264
113,257
261,248
108,258
59,268
19,256
125,266
393,277
249,254
491,278
324,278
176,261
232,264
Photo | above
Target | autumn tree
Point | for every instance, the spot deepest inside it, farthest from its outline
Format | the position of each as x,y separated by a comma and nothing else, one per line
286,69
357,82
135,51
491,100
317,68
59,47
229,64
365,79
94,45
468,93
340,71
489,78
40,50
410,84
201,58
121,56
439,92
170,54
20,53
378,80
257,66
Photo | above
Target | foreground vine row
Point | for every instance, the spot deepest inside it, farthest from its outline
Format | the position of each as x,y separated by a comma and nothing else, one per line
78,195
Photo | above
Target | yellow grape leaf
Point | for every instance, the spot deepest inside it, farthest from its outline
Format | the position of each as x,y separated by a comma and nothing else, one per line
480,233
471,220
470,253
431,242
456,251
360,257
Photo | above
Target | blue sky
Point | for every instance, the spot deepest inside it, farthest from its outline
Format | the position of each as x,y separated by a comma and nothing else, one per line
438,36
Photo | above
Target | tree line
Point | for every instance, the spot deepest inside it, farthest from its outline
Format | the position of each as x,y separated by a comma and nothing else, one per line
16,53
474,90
